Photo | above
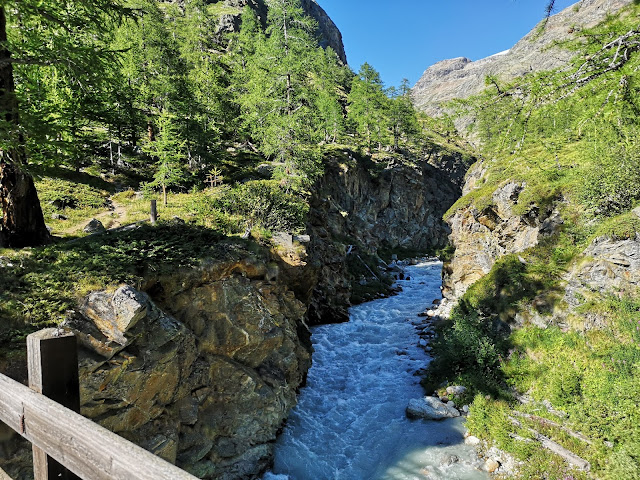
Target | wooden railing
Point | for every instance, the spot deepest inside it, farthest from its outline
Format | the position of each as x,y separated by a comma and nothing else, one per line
67,445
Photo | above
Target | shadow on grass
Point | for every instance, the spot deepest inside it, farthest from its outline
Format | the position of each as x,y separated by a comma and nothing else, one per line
39,286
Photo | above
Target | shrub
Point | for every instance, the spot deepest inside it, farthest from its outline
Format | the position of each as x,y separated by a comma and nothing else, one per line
264,204
61,194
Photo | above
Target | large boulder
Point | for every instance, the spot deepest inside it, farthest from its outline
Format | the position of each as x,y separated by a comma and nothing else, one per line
430,408
205,373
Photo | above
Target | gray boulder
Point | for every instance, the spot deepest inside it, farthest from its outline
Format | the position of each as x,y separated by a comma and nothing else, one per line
456,389
430,408
94,226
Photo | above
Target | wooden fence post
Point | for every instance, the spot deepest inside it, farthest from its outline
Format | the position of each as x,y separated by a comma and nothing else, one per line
154,212
52,357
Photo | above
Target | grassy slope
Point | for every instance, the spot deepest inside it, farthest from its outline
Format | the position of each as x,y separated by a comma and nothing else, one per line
593,376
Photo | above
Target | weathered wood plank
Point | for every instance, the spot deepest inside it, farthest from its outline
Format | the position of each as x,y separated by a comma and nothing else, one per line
154,212
52,360
84,447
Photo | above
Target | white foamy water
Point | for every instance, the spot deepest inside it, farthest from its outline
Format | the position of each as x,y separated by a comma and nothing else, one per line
350,421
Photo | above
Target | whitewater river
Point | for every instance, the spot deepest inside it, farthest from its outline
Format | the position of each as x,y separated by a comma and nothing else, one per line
350,421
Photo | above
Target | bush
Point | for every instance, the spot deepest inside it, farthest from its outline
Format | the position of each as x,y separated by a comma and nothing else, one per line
61,194
469,349
264,204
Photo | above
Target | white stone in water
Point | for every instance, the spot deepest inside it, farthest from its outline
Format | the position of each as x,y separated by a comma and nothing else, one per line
430,408
423,342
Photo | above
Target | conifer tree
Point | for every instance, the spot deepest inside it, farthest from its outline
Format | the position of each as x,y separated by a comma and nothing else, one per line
367,108
167,148
280,98
403,120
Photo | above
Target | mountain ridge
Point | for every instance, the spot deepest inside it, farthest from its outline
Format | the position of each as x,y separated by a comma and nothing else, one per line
460,77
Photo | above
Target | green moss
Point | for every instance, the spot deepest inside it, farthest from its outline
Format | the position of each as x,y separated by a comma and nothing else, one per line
43,283
619,227
480,198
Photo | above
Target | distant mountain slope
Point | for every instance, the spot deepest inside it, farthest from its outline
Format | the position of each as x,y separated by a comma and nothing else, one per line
461,77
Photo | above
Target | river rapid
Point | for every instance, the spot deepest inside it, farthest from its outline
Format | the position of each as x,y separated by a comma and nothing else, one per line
350,421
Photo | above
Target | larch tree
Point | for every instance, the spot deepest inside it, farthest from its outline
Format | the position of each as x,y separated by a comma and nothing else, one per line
278,99
367,108
56,33
167,148
403,120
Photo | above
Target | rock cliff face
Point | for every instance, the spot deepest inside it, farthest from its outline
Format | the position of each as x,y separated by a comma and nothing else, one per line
461,77
205,373
330,35
355,212
481,237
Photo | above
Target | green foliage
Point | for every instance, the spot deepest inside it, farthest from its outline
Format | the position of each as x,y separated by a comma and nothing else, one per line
367,106
62,71
620,227
261,203
168,150
287,87
469,350
612,183
60,194
403,119
569,134
44,283
570,137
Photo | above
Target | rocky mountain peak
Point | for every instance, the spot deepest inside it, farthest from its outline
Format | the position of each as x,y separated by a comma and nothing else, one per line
329,33
461,78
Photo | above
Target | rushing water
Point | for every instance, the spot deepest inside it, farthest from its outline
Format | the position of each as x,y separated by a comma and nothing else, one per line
350,421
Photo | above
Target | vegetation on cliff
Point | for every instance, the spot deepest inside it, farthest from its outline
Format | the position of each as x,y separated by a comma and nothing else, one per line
552,356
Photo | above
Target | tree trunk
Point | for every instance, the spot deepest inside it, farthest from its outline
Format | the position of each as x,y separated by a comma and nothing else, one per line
164,194
22,221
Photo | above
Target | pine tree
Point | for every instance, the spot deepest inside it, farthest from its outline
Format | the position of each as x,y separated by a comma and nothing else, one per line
368,106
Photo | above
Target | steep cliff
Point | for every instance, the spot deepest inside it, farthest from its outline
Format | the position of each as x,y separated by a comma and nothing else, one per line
461,77
329,34
360,209
481,234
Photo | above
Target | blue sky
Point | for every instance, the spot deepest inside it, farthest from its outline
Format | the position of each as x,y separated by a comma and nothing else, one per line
401,38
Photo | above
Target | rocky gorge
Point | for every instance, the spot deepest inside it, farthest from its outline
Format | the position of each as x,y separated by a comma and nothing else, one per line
202,366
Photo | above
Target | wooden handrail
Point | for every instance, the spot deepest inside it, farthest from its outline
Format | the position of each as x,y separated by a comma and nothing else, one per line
82,446
3,475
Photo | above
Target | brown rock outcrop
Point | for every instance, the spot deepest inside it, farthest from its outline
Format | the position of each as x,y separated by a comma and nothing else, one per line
481,237
205,374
